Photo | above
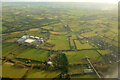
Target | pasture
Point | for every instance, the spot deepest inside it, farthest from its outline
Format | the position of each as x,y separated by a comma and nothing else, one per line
79,56
34,54
103,52
12,71
76,69
7,47
36,73
60,42
83,46
95,24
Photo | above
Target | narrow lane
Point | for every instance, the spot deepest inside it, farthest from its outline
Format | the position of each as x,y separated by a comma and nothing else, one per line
93,68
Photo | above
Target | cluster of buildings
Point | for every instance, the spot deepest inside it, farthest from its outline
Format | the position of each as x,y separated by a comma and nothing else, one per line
32,40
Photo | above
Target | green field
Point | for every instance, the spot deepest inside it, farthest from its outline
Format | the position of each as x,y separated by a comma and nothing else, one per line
34,54
59,27
76,69
103,52
60,42
78,57
17,51
36,73
89,34
11,71
83,46
6,47
4,28
71,32
58,37
47,27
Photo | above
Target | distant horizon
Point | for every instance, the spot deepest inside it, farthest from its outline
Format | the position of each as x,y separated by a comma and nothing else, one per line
64,2
93,1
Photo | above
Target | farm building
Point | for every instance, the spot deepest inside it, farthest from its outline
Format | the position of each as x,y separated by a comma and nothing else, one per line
21,40
31,40
25,37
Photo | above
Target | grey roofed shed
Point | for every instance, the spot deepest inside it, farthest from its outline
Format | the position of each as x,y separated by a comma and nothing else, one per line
21,40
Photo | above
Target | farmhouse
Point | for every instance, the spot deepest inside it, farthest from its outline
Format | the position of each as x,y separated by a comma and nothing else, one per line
32,40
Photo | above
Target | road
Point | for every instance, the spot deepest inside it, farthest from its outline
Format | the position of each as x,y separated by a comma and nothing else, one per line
94,68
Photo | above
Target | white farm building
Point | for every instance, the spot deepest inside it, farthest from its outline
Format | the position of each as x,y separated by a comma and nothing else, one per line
33,40
29,40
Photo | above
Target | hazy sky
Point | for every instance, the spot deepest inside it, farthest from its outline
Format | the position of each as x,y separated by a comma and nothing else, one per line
109,1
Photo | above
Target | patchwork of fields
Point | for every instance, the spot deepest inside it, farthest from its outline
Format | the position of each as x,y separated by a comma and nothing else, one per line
72,37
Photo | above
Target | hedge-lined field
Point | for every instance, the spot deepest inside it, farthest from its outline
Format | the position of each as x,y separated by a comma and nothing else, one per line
78,57
76,69
60,42
34,54
7,47
83,46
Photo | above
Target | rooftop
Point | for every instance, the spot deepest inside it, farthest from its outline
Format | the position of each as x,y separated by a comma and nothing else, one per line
29,40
